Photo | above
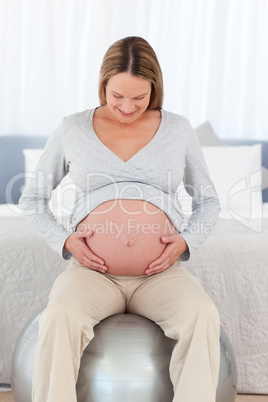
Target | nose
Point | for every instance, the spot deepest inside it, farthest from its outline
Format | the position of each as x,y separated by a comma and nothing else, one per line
128,106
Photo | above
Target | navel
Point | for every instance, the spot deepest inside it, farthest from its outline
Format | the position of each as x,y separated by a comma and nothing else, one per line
129,243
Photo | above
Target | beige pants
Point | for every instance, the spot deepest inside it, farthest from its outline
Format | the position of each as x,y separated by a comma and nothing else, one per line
174,299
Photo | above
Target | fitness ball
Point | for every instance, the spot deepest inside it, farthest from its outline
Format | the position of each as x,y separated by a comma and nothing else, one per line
127,360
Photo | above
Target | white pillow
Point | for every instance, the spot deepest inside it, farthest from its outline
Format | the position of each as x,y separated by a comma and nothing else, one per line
31,158
207,137
63,197
236,174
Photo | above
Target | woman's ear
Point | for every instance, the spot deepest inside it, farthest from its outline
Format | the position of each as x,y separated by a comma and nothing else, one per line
101,71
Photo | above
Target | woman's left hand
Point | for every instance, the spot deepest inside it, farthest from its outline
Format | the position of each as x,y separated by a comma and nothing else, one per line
175,246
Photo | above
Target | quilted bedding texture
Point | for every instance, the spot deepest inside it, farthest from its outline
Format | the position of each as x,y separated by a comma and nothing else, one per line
233,268
28,269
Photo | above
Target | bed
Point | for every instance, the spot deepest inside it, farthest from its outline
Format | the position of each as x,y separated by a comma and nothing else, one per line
232,264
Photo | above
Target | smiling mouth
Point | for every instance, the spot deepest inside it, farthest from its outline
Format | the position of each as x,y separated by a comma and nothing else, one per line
126,114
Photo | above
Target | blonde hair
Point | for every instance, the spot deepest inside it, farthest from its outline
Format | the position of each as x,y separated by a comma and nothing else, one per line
134,55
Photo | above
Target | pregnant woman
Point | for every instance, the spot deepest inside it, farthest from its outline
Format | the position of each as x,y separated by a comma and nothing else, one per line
127,233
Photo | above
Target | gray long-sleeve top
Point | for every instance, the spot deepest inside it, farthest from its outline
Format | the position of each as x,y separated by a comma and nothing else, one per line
153,174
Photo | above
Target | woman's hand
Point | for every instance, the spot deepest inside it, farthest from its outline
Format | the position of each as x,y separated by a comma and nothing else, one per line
76,245
175,246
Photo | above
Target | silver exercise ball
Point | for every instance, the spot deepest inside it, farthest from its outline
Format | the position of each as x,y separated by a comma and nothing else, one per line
127,360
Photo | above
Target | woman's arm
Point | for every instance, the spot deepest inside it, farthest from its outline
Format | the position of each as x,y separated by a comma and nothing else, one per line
205,202
51,169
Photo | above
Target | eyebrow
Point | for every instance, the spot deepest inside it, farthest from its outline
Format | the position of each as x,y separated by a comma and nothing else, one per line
138,96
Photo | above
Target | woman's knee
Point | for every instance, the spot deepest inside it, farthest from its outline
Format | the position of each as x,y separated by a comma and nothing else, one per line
196,315
206,316
55,314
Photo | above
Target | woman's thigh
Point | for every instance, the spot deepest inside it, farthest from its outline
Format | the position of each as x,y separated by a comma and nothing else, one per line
86,291
173,299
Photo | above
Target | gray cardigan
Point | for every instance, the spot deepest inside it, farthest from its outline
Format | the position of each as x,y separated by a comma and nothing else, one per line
152,174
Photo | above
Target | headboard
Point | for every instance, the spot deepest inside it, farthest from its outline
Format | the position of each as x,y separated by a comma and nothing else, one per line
12,162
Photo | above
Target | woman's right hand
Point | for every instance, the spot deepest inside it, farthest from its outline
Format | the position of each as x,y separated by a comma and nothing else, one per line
76,245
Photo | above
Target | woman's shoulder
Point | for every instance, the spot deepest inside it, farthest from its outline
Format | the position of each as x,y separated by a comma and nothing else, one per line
174,117
78,117
176,122
73,124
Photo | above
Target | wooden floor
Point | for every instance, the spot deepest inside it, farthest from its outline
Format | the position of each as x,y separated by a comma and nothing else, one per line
251,398
7,397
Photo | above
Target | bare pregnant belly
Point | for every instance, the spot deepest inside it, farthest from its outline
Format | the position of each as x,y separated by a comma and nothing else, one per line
126,234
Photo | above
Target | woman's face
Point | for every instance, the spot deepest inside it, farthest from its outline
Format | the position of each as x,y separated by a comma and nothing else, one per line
127,96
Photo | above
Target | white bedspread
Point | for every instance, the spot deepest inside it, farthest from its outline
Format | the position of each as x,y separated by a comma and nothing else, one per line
232,265
28,268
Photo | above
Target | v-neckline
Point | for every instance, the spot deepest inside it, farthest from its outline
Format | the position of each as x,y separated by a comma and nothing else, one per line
138,152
